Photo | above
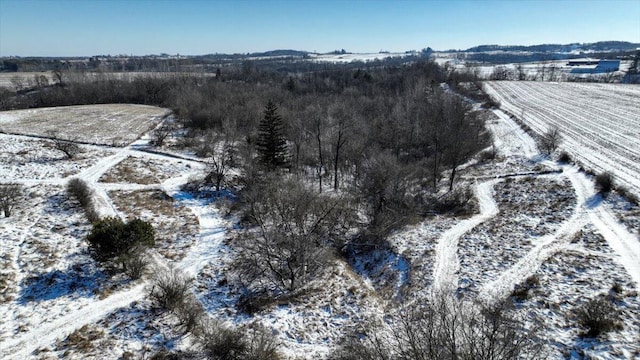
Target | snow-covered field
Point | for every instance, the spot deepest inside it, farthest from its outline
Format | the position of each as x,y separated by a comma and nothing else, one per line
111,124
535,218
600,123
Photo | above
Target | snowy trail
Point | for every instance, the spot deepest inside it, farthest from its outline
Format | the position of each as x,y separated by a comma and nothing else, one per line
548,245
510,139
21,347
446,261
212,232
211,235
624,243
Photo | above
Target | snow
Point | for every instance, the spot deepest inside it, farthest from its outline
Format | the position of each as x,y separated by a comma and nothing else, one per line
600,123
535,218
446,263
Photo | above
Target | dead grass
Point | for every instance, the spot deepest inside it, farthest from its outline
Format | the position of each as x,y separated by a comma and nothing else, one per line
176,226
132,170
83,340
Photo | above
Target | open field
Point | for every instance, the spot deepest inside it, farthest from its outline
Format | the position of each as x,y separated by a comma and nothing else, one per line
600,123
112,124
534,218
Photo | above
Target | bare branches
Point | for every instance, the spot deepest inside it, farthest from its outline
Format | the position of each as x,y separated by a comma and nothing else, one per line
10,196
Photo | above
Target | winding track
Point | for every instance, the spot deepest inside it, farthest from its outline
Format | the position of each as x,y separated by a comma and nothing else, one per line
209,241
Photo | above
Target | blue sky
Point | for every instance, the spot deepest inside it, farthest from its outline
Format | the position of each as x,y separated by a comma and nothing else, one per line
138,27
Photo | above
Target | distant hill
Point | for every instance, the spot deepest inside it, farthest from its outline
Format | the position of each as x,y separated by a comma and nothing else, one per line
280,53
602,46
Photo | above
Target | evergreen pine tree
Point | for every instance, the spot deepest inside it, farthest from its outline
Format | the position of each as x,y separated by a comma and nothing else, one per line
271,144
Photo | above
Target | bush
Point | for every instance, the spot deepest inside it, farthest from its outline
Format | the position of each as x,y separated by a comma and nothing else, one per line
598,316
521,291
550,140
111,237
224,343
170,290
446,329
564,158
220,342
10,195
134,263
604,182
79,189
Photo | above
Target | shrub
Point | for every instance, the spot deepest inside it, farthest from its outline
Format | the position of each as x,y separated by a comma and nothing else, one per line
79,189
446,329
625,193
134,263
224,343
550,140
170,290
604,182
564,158
521,291
220,342
598,316
10,195
111,237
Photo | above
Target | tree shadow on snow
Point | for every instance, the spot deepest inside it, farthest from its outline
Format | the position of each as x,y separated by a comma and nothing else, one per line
80,280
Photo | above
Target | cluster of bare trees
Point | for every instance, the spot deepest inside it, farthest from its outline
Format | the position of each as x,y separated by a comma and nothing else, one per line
293,234
447,329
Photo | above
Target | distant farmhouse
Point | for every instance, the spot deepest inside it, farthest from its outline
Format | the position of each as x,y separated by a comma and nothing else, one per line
586,66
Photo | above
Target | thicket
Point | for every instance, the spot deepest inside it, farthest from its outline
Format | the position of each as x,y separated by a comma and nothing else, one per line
604,182
598,316
171,292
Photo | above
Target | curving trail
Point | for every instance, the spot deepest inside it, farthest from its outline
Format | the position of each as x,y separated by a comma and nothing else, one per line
502,286
589,209
23,346
446,262
212,230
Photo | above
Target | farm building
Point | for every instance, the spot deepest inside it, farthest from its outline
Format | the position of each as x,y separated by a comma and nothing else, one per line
586,66
582,62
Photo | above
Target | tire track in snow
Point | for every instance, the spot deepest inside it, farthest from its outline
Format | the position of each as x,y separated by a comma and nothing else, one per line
22,346
446,261
548,245
624,243
508,133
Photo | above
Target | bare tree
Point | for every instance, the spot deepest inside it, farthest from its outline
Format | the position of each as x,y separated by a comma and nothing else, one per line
341,122
550,140
293,228
69,148
161,133
10,195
